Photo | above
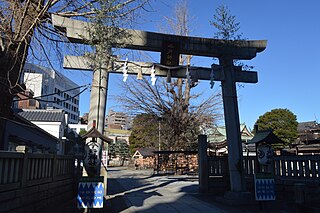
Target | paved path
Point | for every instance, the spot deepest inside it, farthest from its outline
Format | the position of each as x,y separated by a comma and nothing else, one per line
132,191
139,191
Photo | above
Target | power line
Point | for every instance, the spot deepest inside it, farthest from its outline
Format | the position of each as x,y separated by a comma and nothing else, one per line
58,101
38,98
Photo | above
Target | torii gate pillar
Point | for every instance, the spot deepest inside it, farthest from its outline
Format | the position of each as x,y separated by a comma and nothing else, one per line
98,99
231,114
98,102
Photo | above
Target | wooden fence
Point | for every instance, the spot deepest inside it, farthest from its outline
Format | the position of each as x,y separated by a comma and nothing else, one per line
298,167
19,170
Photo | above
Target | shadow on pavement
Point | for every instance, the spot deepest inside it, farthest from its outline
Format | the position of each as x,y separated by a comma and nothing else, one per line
131,191
138,192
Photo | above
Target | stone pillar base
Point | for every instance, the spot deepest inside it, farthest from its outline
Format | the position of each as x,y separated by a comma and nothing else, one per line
237,198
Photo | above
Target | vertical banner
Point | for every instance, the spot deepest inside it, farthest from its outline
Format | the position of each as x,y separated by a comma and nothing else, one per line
264,186
104,159
90,192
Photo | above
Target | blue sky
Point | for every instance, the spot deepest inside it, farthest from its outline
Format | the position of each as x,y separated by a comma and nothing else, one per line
288,70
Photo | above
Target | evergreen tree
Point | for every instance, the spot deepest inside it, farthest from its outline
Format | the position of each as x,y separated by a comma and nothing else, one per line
145,132
283,123
120,149
228,28
226,24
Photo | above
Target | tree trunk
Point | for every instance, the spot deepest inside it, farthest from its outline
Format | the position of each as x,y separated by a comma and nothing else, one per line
12,59
15,40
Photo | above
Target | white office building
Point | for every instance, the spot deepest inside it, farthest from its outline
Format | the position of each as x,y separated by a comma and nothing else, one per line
43,81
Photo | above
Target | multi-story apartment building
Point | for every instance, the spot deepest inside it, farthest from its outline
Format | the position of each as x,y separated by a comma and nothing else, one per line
118,120
58,88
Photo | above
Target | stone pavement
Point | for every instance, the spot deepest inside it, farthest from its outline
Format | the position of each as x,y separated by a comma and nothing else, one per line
140,191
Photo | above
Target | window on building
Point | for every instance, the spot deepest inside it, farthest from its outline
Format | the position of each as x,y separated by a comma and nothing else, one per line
32,102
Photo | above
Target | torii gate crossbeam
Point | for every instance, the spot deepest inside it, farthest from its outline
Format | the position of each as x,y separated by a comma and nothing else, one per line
197,73
77,32
226,51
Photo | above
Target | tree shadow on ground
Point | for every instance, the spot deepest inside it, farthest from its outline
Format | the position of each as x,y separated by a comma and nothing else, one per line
137,192
189,201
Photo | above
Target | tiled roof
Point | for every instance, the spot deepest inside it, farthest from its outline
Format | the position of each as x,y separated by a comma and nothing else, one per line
219,135
54,115
266,136
306,126
146,152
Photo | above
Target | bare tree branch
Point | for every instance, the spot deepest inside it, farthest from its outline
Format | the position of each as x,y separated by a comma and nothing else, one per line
24,27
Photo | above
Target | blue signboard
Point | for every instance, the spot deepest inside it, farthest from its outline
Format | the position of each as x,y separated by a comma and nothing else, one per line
90,192
264,187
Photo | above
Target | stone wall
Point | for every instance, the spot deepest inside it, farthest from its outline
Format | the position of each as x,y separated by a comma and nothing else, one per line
37,197
30,182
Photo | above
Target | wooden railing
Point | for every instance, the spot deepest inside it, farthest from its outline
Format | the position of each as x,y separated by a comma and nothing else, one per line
218,166
18,170
298,167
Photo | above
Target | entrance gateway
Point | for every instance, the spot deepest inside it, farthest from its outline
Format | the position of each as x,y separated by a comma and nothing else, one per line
226,72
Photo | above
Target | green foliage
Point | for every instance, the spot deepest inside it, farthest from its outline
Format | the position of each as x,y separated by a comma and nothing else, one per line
226,24
145,132
283,123
82,132
119,148
107,28
228,28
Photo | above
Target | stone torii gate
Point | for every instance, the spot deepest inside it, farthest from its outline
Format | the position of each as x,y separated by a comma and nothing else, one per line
171,46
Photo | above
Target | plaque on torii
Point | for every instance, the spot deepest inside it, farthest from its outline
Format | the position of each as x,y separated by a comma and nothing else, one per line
226,72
